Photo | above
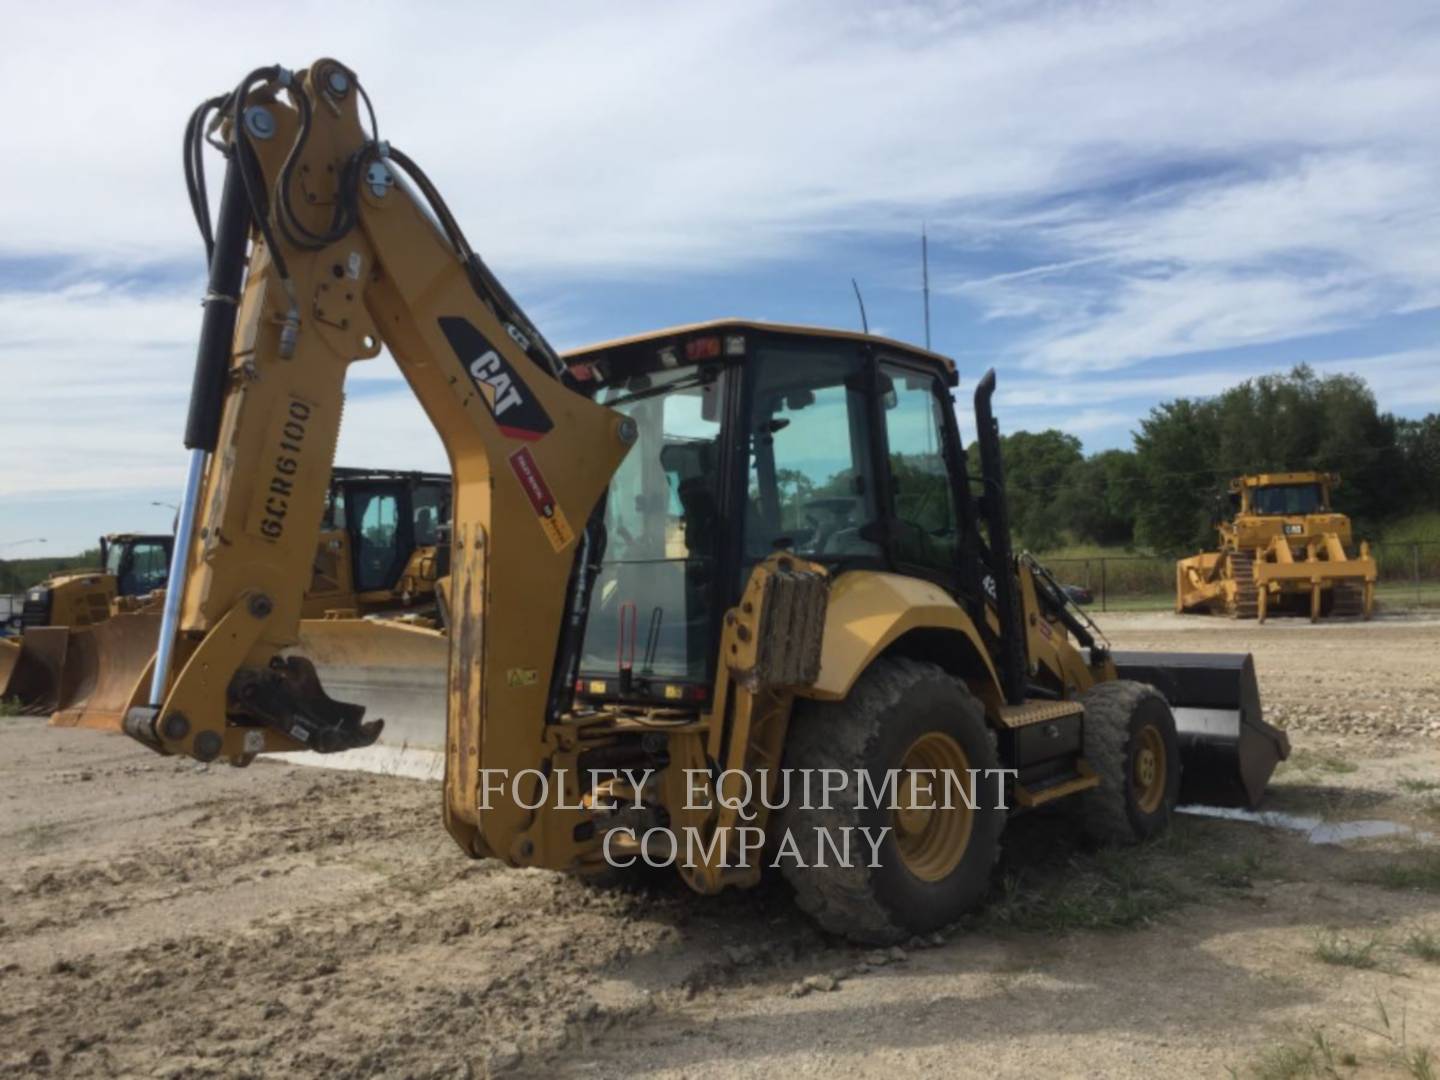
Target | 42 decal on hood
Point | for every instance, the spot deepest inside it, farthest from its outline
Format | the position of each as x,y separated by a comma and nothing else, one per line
517,412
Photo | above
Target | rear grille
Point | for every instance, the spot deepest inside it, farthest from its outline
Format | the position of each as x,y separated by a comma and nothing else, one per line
36,611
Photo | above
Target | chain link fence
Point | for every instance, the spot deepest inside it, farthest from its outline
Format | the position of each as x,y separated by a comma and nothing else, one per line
1409,578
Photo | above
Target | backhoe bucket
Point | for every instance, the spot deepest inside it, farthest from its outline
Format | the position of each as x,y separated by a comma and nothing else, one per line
1227,750
37,677
104,664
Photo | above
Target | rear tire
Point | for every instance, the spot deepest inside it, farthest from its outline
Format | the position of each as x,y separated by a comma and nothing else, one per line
934,864
1130,742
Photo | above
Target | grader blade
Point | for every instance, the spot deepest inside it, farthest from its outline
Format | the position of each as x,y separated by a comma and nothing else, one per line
1227,750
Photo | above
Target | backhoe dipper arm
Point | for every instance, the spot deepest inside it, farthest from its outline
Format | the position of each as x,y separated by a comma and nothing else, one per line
344,259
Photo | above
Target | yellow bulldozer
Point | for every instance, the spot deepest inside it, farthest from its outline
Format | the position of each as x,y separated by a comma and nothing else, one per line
54,656
378,554
1285,550
719,594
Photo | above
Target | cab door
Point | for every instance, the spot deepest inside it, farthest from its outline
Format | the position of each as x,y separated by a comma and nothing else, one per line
916,422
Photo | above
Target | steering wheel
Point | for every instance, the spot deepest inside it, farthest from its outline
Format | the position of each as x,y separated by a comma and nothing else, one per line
836,510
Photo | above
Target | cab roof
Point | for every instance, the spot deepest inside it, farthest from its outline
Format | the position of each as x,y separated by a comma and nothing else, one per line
671,334
1257,480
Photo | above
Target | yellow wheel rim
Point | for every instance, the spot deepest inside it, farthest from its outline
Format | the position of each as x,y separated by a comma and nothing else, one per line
1148,769
931,821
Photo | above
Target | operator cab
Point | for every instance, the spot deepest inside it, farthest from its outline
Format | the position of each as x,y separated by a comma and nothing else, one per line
1288,500
139,564
387,515
754,437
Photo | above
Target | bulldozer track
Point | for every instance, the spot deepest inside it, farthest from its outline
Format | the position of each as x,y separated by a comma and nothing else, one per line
1247,596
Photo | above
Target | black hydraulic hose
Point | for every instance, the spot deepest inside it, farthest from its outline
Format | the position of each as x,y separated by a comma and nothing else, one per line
222,298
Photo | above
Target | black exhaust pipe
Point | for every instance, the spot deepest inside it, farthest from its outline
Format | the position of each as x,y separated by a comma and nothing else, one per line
1012,659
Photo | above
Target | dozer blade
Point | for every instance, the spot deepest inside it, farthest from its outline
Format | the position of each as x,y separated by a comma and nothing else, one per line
9,655
397,671
104,664
1227,750
37,677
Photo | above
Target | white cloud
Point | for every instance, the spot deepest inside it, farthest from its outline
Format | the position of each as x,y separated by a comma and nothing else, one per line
1163,177
1106,408
610,138
1327,241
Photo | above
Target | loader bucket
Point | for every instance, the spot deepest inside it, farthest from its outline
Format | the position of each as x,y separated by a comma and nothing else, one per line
1227,750
37,677
105,663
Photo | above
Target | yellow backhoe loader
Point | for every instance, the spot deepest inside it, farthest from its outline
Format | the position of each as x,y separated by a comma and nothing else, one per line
85,633
717,591
1285,550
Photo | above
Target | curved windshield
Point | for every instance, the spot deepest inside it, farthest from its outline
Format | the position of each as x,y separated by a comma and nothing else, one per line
650,608
1287,499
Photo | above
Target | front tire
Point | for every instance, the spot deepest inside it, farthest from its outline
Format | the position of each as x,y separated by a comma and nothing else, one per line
1130,742
934,861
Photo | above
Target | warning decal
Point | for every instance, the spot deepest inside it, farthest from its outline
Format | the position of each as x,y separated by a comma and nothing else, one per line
552,519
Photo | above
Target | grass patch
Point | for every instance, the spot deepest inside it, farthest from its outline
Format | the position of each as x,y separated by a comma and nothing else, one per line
10,707
1335,948
1304,760
1316,1058
1234,871
1111,890
1423,945
1419,787
1422,527
1420,873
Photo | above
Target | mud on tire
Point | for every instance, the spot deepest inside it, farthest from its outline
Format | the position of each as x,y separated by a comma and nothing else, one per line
1127,723
894,706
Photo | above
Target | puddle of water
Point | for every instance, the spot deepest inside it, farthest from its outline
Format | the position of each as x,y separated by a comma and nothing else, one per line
1315,830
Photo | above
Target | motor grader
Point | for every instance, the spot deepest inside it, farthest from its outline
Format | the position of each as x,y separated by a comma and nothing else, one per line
378,554
683,564
1285,550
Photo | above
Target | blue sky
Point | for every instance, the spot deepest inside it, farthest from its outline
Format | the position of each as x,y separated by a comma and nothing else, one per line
1126,202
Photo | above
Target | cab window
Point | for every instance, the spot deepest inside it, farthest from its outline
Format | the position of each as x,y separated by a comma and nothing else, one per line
377,540
811,486
429,514
923,511
145,570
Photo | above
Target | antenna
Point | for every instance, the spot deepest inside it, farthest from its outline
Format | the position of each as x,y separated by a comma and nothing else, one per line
925,277
864,322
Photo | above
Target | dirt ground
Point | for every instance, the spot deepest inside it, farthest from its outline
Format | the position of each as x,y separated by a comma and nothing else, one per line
160,918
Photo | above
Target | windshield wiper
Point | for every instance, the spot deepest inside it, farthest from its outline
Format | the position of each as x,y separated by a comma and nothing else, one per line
640,395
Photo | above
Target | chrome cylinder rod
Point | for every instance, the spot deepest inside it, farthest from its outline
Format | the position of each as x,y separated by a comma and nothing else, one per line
179,574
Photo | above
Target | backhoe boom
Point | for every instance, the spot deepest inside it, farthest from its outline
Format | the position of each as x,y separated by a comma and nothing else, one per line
346,260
